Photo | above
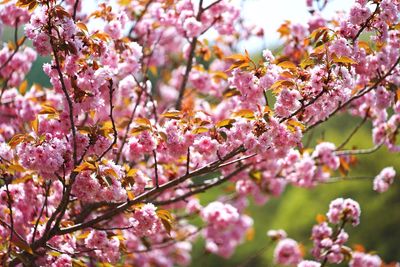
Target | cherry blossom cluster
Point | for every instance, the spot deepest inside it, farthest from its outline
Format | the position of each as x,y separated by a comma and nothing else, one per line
144,113
329,239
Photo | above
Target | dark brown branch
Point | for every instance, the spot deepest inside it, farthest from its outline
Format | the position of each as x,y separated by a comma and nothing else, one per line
124,139
155,168
211,5
140,17
75,9
9,205
188,161
365,25
66,94
360,94
17,45
47,189
185,78
124,206
166,243
115,133
303,107
189,64
3,89
202,188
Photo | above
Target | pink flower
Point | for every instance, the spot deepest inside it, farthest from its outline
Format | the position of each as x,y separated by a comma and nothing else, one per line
359,14
344,209
384,179
225,228
360,259
325,153
326,244
145,221
287,252
192,26
309,264
63,260
96,239
277,234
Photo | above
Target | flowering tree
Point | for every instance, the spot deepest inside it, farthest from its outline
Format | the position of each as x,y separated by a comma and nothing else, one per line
144,114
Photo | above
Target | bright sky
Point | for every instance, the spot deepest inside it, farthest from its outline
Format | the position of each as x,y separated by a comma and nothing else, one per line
269,14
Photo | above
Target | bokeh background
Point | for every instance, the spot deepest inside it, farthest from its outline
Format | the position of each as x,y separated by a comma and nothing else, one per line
296,209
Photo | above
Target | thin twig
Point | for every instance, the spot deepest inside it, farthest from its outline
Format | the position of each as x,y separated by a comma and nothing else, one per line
126,205
17,45
75,9
359,151
360,94
115,133
355,130
346,178
365,25
9,205
202,188
47,189
123,142
155,168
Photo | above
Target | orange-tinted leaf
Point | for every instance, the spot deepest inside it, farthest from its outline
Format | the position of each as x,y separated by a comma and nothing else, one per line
82,26
111,172
83,235
307,62
16,167
200,130
85,166
292,124
365,46
139,129
130,195
320,218
101,36
287,65
220,75
244,113
343,59
16,139
22,88
143,121
47,109
231,92
250,233
22,179
359,248
173,114
224,123
22,245
282,83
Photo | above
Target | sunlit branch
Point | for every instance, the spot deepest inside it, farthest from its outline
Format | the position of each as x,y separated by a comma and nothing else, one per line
347,178
358,151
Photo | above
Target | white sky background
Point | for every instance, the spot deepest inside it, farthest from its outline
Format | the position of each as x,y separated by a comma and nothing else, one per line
270,14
